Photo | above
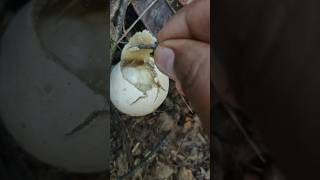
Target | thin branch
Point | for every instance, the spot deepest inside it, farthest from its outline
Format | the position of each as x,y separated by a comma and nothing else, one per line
171,8
185,102
136,21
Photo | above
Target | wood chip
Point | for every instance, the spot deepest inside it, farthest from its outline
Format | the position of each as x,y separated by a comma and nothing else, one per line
135,148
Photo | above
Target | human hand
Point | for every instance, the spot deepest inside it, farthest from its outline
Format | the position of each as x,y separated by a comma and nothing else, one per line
184,55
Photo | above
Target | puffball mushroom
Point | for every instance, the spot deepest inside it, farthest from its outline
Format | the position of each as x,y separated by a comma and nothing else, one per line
137,87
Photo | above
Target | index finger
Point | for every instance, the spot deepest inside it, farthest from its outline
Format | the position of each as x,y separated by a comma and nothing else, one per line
191,22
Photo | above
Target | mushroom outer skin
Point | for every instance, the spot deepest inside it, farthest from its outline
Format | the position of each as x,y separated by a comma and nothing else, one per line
123,94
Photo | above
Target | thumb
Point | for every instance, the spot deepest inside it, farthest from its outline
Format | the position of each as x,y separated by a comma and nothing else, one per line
188,63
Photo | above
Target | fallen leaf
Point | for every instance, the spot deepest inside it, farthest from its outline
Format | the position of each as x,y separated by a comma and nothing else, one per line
185,174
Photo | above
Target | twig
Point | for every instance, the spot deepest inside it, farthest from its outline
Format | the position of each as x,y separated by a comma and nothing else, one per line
135,22
171,8
123,42
183,140
185,102
122,17
119,10
244,132
135,147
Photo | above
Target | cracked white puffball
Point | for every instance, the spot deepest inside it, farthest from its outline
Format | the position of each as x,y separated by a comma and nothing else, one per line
137,87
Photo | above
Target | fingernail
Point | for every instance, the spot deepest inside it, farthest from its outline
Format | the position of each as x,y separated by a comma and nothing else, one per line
164,58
